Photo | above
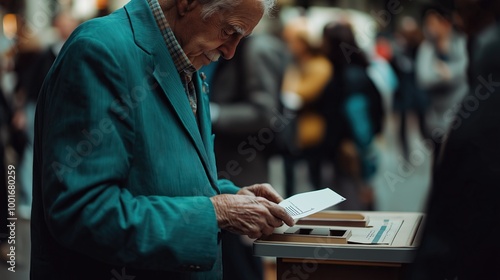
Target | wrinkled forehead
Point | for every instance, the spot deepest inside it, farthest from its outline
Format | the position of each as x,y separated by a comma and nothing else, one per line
231,7
244,16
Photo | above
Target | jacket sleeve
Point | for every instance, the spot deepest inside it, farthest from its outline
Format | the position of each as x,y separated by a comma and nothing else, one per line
227,187
87,207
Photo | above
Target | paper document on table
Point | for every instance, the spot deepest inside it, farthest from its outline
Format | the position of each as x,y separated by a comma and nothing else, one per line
380,232
305,204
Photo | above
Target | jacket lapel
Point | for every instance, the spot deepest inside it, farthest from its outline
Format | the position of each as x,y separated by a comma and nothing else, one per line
148,37
204,118
176,94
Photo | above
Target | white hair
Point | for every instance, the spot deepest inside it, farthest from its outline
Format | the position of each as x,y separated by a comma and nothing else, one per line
211,7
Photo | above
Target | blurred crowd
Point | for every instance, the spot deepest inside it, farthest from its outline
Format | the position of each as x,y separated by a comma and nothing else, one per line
306,92
313,95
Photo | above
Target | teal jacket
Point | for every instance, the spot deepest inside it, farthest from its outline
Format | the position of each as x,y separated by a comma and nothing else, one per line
123,170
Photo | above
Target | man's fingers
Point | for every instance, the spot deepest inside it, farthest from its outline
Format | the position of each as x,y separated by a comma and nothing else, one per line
280,213
288,220
267,230
273,196
270,193
255,216
254,235
274,222
245,191
263,190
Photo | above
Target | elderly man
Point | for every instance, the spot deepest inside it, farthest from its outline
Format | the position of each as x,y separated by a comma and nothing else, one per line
125,181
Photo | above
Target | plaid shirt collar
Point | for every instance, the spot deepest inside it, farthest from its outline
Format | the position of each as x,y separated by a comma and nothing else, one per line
181,61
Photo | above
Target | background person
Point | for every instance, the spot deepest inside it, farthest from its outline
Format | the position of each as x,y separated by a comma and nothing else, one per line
441,69
26,96
355,112
457,238
303,84
409,97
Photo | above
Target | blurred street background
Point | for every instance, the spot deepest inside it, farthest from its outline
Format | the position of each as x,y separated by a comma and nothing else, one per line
371,140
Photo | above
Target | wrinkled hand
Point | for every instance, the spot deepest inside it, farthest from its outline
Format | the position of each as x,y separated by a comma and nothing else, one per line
248,214
262,190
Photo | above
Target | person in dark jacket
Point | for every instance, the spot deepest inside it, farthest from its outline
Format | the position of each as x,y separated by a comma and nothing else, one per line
461,226
353,109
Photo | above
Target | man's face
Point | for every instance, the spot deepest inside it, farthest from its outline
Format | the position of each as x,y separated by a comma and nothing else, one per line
219,35
296,44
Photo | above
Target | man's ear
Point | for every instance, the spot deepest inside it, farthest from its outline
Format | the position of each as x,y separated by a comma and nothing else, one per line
185,6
